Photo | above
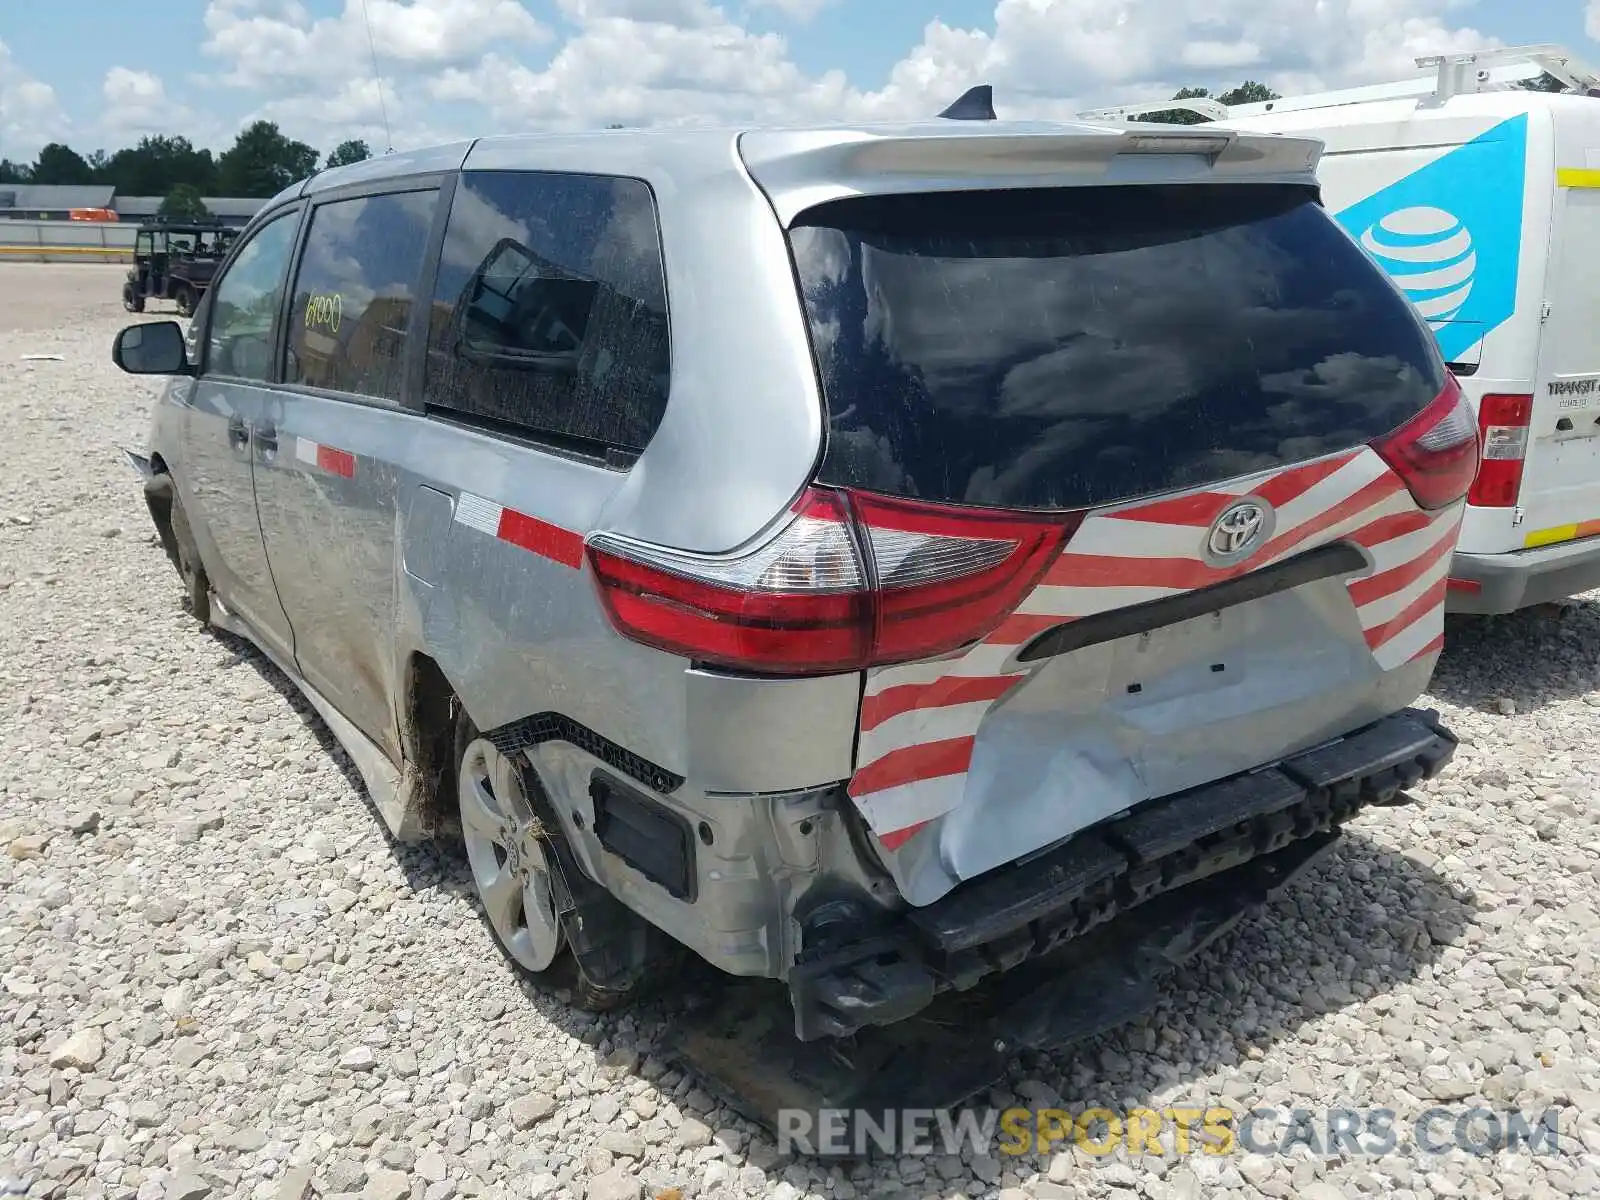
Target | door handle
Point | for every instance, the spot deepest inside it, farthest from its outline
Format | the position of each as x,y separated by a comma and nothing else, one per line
267,441
238,434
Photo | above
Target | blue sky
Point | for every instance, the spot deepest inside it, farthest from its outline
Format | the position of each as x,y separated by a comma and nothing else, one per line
116,70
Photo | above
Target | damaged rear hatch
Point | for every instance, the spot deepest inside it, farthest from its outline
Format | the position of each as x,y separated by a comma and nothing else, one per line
1186,465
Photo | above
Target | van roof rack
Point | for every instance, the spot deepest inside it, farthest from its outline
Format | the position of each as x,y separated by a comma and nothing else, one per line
1453,75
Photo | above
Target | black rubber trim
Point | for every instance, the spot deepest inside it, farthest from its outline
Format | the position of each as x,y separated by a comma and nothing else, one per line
1325,562
528,732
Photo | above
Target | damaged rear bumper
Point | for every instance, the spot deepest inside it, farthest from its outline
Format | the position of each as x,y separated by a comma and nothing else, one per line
1253,829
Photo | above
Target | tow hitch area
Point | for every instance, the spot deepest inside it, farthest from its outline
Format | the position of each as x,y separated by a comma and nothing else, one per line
1043,954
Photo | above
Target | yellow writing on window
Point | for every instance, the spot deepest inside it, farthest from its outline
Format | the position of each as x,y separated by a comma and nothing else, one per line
324,312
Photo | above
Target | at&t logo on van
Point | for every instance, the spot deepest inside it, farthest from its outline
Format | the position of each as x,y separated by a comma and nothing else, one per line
1429,253
1450,233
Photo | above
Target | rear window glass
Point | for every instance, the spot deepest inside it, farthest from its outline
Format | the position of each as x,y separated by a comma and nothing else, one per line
1074,346
550,310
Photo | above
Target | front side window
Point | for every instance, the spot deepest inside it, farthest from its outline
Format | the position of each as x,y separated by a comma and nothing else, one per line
354,291
245,304
550,312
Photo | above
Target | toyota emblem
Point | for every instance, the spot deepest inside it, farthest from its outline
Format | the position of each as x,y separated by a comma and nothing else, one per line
1239,531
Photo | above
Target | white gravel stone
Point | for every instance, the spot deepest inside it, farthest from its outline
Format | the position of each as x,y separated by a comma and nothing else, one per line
187,1186
231,978
82,1050
358,1058
693,1134
384,1184
528,1111
614,1185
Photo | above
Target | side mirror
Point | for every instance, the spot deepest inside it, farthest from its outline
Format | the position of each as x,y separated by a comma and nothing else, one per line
152,348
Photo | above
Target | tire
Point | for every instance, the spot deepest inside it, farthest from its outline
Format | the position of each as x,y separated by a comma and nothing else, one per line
131,300
183,297
197,587
509,836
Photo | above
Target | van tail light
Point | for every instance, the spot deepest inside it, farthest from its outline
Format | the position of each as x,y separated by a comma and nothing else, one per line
1503,429
852,580
1435,453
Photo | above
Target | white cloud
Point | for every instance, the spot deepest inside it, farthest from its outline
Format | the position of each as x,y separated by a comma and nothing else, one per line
795,10
1055,48
667,61
30,114
137,102
465,67
133,89
275,42
664,12
1591,19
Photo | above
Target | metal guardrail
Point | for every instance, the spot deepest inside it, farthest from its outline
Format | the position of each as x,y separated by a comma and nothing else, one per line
67,241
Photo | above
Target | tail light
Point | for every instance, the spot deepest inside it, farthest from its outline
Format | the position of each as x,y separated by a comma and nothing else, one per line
853,580
1436,452
1503,428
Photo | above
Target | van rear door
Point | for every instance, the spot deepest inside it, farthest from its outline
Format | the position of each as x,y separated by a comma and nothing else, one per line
1189,395
1560,494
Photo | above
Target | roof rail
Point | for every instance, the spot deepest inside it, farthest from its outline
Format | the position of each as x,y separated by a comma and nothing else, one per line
1453,75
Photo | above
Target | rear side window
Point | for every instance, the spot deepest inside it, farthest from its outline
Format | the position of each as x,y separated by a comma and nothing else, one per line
550,314
354,290
1070,347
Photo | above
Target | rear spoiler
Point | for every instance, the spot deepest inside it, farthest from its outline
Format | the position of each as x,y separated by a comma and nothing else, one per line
801,169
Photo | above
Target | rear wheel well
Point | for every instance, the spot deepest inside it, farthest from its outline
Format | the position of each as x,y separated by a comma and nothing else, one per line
615,952
428,733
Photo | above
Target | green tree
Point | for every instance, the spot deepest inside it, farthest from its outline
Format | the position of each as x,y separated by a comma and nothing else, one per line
1249,92
262,162
185,203
1178,116
58,164
345,153
157,165
15,172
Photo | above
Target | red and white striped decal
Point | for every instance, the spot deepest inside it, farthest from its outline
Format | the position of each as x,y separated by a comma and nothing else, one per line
519,529
325,458
919,722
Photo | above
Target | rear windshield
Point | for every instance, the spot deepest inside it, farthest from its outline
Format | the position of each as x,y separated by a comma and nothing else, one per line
1064,347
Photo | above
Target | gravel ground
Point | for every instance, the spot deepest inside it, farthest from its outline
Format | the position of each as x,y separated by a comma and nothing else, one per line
220,978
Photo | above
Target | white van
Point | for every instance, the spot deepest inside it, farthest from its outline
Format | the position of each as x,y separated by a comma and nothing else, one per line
1482,201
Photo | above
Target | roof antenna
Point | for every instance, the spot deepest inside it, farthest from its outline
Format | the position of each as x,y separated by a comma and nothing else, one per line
388,137
976,104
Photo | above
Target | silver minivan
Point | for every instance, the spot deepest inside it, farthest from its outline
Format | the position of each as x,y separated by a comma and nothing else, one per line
870,558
